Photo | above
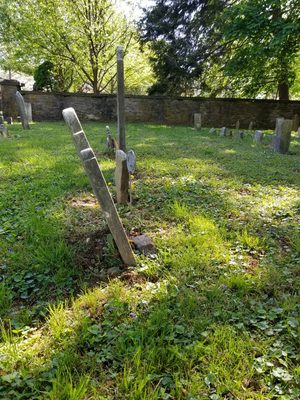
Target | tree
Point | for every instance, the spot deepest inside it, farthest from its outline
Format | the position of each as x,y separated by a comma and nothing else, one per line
266,39
252,44
184,35
81,33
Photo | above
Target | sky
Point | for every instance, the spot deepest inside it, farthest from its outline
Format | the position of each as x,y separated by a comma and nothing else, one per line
133,8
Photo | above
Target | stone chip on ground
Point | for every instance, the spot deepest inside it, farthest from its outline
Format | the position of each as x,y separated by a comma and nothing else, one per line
144,244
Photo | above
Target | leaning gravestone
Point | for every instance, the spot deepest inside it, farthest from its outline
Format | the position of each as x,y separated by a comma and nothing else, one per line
121,177
250,128
237,125
299,132
22,110
212,130
282,139
258,136
223,131
197,121
99,186
1,117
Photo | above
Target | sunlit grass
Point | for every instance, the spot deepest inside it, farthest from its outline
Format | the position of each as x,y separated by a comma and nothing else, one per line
214,315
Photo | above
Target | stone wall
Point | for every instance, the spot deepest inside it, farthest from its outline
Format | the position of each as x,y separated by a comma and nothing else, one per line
163,110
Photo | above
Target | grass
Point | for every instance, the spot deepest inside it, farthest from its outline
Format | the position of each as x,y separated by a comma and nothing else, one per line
214,315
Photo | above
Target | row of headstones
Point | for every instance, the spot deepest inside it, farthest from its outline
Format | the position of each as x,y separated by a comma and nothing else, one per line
282,135
25,117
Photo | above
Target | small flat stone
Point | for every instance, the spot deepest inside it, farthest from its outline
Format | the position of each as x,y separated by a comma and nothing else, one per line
113,272
144,244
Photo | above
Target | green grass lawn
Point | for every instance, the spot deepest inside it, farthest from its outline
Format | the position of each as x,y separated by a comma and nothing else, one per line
214,315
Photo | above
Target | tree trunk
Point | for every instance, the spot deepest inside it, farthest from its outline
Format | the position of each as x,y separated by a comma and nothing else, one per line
283,91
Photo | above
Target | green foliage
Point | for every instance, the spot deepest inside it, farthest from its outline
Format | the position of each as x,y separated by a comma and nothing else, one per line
80,39
243,48
43,78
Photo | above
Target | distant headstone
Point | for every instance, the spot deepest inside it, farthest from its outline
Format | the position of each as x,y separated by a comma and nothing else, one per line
258,136
299,132
250,128
3,131
28,109
99,186
1,117
223,131
197,121
296,123
282,138
121,178
212,130
22,110
239,135
109,139
237,125
131,162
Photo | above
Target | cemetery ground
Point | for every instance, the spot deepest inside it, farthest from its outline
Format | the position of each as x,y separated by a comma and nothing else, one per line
213,315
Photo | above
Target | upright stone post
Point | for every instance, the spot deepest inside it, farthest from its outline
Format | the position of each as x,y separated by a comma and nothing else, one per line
99,185
282,139
197,121
223,131
258,136
28,109
22,110
296,123
120,100
122,177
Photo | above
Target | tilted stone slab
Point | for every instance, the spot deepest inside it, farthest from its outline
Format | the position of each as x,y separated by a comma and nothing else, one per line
99,185
22,110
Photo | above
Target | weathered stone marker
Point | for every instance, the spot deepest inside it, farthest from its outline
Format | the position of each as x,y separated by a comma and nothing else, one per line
28,109
1,117
258,136
282,139
99,185
121,177
109,139
239,135
237,125
250,127
131,165
22,110
197,121
296,123
212,130
223,131
120,100
3,131
299,132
